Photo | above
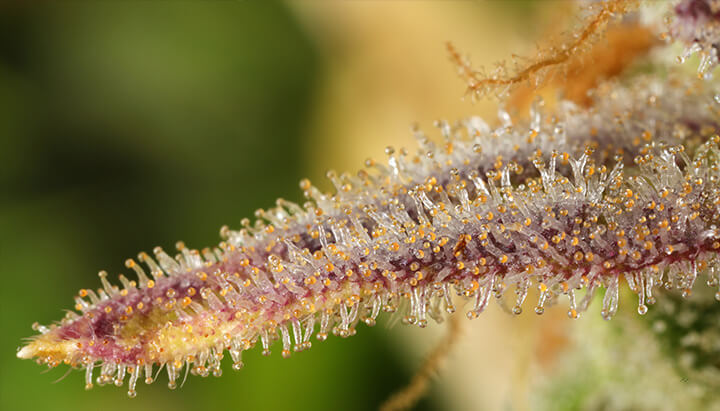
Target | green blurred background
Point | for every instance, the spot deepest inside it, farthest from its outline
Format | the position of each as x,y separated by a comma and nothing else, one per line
126,125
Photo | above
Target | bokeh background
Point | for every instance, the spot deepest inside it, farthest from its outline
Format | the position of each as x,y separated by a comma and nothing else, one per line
126,125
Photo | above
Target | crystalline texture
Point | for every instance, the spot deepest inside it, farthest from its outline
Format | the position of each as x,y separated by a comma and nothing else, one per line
626,188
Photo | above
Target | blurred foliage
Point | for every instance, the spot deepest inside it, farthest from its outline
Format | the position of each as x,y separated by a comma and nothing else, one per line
664,360
130,125
688,330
